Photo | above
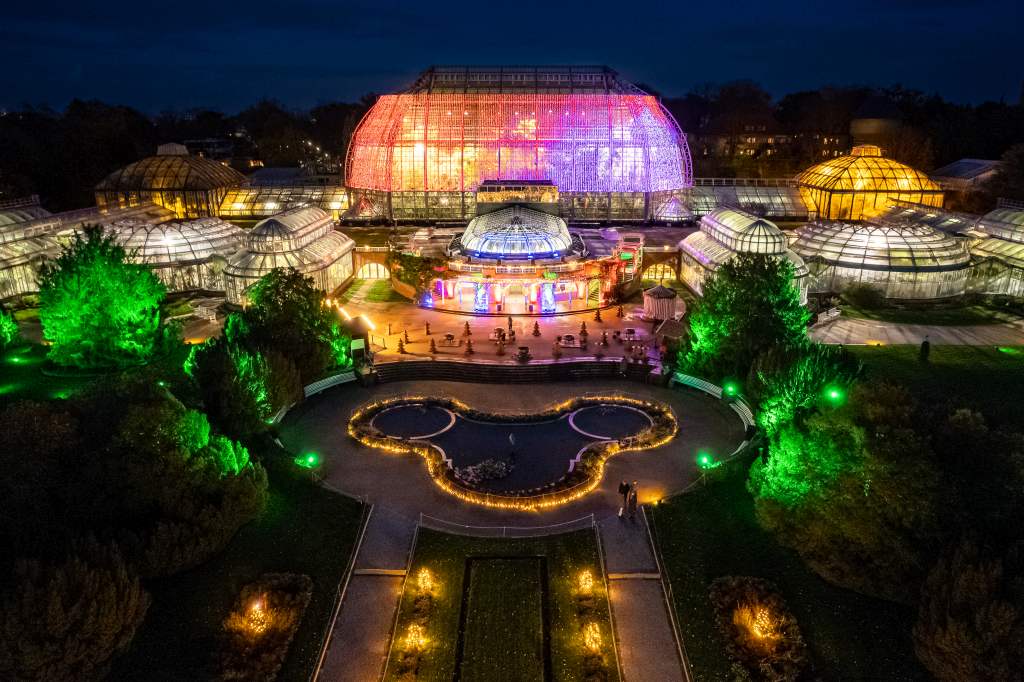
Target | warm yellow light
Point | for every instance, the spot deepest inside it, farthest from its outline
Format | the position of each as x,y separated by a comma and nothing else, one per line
756,620
425,580
256,618
592,637
415,638
585,580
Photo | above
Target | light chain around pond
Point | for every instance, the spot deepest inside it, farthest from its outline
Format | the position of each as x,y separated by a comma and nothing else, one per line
502,457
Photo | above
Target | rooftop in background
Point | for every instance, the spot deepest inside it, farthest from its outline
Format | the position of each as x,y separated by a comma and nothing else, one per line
965,174
171,172
522,79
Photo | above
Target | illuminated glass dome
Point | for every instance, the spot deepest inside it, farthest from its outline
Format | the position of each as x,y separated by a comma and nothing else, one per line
581,128
302,238
905,262
864,184
516,232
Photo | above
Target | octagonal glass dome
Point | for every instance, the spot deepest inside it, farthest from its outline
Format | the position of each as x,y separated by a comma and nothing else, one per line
516,232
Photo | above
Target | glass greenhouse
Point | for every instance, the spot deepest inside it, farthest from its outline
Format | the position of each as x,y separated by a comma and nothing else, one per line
190,186
863,185
19,264
186,255
262,202
301,238
603,142
514,233
998,253
723,235
904,261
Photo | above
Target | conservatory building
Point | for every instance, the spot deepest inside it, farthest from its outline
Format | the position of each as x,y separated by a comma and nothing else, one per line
864,184
903,261
605,144
997,250
727,233
302,238
187,255
521,260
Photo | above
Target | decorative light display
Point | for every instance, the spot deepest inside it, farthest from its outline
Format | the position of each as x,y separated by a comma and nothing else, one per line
256,618
581,142
425,580
651,438
592,637
415,638
547,297
585,581
516,232
756,620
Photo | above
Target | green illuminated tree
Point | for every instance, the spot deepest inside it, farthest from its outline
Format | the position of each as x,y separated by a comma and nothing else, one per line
67,620
970,623
98,309
8,330
749,306
235,386
855,492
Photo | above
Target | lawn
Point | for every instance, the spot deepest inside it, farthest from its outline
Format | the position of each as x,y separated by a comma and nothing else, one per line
711,532
305,529
961,316
487,596
371,290
515,589
986,378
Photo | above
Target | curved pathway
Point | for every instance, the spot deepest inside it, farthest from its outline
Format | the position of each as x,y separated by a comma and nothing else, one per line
400,489
852,331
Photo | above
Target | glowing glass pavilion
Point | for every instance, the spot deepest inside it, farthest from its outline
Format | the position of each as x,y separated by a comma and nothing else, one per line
606,144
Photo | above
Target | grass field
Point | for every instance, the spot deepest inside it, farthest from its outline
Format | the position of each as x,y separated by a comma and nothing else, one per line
712,532
305,529
503,586
963,316
513,588
371,290
986,378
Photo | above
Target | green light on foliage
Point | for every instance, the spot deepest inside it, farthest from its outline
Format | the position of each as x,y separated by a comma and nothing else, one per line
1009,350
706,461
730,388
836,396
161,383
310,460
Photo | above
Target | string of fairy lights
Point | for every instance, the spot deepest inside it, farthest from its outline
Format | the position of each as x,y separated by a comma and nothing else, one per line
663,428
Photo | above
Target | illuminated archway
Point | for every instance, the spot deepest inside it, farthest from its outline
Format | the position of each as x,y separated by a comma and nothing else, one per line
660,272
373,271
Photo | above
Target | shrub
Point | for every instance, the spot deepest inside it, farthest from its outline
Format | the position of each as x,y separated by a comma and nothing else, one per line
866,296
67,620
8,330
760,632
260,628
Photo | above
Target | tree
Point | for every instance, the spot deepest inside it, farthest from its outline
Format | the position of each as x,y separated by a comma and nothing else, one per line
97,307
8,330
970,623
416,271
749,306
235,385
1008,181
67,620
855,492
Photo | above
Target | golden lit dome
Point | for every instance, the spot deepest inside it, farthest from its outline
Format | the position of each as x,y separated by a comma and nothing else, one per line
864,184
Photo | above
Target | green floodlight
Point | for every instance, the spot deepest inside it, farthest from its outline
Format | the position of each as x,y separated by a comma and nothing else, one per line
730,388
705,460
835,395
310,460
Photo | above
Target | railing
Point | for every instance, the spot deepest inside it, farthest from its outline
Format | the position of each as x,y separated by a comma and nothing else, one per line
373,249
455,528
18,202
1003,202
738,404
324,384
744,182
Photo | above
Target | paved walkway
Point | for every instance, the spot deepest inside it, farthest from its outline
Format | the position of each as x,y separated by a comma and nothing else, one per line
872,332
400,489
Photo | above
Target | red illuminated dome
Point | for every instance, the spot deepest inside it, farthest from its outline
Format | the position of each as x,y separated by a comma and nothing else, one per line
581,128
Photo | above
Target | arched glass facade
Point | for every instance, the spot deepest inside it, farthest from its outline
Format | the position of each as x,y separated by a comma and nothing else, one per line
516,232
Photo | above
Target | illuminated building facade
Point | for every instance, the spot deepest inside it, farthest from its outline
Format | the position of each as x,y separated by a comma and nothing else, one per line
605,144
864,184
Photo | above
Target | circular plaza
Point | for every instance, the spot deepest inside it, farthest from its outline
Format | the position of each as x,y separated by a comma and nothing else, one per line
536,453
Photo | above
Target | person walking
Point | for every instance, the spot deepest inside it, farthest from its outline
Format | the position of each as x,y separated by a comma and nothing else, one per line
631,500
624,491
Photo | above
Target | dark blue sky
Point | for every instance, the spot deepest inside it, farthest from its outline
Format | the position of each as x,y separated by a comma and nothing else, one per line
188,53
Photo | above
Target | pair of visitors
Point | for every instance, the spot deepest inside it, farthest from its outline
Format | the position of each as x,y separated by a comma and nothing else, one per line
629,493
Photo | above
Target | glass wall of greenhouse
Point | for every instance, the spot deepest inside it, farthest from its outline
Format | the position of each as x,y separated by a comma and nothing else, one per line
301,238
864,184
904,262
997,251
726,233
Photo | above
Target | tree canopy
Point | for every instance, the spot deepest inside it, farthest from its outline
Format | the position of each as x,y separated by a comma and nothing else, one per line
98,308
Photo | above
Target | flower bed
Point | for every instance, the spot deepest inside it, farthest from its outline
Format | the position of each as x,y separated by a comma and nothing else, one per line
762,635
584,477
260,628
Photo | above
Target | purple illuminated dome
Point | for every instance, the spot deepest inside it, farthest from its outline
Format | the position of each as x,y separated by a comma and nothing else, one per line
581,128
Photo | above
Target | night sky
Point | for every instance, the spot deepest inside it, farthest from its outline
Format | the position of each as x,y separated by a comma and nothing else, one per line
304,52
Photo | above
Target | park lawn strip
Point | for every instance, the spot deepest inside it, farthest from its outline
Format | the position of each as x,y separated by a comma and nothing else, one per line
445,555
305,529
961,316
381,292
986,378
712,532
510,646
